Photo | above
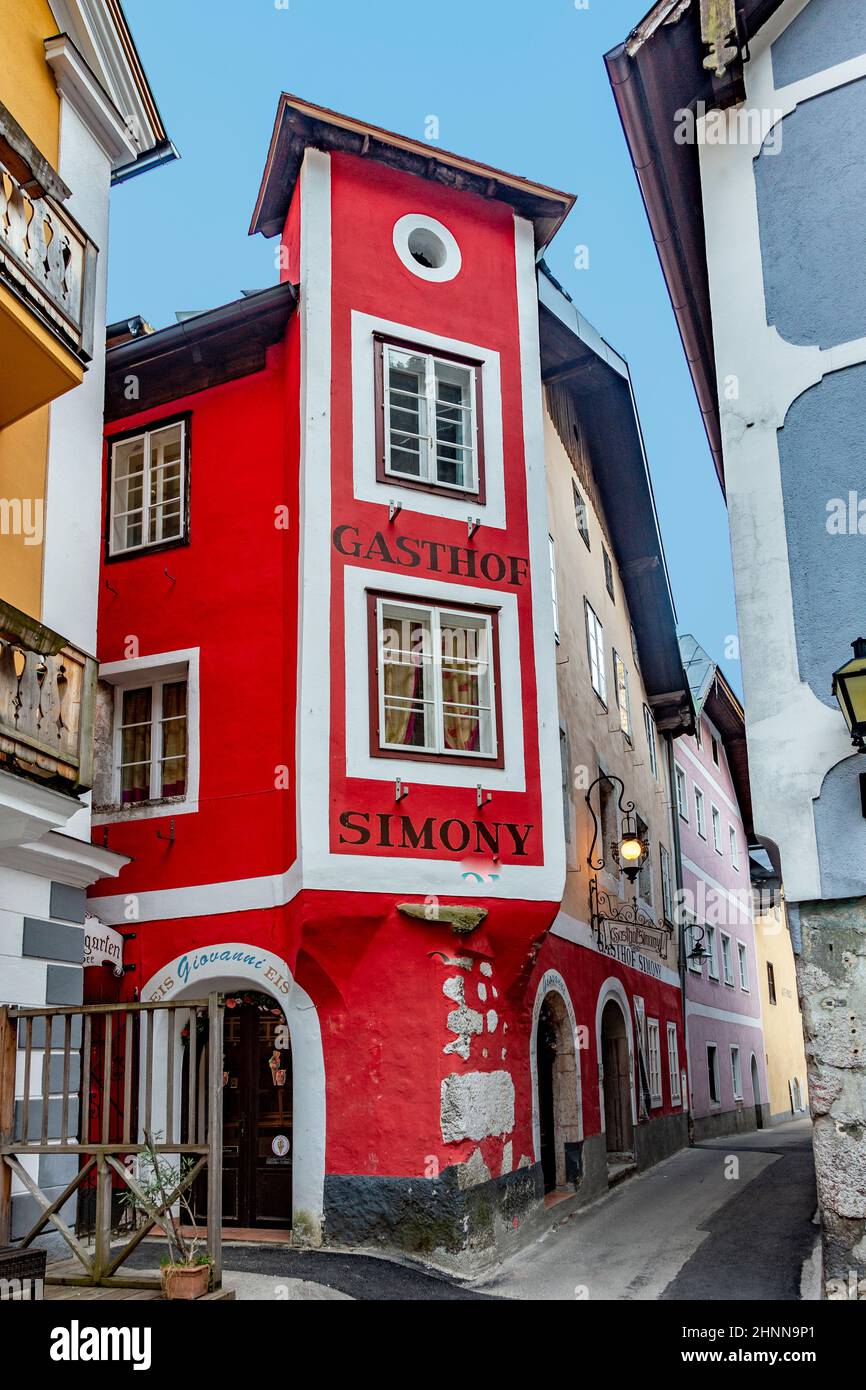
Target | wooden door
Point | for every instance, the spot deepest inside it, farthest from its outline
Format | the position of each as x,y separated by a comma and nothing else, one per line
618,1125
546,1060
257,1120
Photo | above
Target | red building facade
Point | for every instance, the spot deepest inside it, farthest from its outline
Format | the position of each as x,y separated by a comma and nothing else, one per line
329,727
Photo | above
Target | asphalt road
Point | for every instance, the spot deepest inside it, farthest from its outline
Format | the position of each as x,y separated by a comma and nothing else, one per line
698,1226
758,1242
727,1220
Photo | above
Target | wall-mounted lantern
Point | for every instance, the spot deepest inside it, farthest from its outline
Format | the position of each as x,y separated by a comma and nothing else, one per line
849,688
698,954
630,852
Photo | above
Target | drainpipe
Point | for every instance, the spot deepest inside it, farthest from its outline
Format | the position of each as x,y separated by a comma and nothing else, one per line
681,934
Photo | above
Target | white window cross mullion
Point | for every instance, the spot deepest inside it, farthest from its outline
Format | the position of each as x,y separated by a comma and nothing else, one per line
432,420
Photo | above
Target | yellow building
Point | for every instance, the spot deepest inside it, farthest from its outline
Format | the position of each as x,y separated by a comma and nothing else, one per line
783,1022
76,116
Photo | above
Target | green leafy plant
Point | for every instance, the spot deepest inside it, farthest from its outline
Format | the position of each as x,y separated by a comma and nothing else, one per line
156,1182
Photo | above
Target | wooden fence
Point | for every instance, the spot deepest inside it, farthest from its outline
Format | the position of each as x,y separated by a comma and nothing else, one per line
150,1070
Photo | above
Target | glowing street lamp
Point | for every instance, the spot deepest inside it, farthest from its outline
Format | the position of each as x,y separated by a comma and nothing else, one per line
849,688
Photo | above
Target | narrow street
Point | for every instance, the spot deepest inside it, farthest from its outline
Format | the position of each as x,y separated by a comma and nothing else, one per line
682,1231
686,1230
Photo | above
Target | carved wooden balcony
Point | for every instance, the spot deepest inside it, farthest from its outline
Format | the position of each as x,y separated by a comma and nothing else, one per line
47,291
47,700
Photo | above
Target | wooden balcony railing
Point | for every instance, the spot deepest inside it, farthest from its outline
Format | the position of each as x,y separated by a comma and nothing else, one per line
47,699
48,260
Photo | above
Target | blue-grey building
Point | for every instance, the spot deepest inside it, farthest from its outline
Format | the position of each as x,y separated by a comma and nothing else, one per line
745,122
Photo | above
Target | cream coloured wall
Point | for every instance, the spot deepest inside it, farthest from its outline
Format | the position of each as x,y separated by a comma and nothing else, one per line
783,1023
594,734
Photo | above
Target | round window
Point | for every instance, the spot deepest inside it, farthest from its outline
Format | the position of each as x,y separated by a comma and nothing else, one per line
427,248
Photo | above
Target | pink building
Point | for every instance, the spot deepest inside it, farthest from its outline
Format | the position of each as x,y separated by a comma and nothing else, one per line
724,1032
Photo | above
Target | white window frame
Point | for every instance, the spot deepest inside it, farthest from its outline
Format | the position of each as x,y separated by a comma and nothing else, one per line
654,1061
674,1065
595,652
714,1047
712,957
479,618
682,792
667,883
166,667
727,959
743,963
623,694
607,566
553,591
428,457
735,846
145,436
156,688
736,1071
581,511
650,727
700,814
716,821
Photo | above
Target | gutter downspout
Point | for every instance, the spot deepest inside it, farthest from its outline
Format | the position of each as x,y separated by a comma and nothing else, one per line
681,937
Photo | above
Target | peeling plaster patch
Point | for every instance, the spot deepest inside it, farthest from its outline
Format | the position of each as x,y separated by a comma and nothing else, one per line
476,1105
462,1021
482,992
486,968
484,1052
507,1159
473,1172
492,1020
504,1053
524,1162
495,991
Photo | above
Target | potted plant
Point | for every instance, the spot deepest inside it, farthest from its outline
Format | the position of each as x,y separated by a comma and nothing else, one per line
186,1269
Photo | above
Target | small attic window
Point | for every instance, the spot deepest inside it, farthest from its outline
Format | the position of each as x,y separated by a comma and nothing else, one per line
427,248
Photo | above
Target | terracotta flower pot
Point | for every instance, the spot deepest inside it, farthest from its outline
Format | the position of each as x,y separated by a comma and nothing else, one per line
185,1281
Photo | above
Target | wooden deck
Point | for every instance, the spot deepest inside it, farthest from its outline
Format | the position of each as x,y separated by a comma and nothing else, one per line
60,1286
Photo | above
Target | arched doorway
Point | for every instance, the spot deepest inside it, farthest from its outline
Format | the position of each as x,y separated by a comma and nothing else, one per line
756,1094
617,1082
555,1067
286,1193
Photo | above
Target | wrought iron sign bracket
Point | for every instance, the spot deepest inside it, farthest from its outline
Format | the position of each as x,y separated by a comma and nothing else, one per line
637,928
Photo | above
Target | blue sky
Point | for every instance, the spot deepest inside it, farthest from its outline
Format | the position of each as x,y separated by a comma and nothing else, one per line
519,84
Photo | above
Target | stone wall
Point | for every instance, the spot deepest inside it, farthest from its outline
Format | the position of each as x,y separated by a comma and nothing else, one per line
831,972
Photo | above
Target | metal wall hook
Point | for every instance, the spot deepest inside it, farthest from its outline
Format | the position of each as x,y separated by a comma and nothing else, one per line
394,509
473,523
170,836
482,797
400,789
